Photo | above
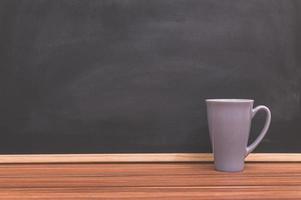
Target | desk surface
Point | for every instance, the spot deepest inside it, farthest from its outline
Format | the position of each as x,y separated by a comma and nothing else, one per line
149,181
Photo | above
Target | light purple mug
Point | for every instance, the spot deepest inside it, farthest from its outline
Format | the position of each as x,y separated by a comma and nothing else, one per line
229,122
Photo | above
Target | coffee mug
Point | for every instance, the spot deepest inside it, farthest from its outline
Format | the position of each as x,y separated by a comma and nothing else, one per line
229,122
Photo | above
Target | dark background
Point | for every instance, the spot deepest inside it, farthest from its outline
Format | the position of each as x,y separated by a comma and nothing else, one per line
107,76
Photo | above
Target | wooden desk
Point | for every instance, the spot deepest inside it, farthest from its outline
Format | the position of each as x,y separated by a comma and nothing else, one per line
149,181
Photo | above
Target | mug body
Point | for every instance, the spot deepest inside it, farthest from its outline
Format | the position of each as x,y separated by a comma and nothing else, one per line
229,122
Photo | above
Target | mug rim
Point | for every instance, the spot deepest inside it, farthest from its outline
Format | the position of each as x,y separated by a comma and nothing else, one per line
230,100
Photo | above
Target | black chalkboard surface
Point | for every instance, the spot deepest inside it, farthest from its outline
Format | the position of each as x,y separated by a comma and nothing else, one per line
108,76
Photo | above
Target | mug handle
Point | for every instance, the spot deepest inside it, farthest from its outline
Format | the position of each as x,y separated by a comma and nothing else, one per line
252,146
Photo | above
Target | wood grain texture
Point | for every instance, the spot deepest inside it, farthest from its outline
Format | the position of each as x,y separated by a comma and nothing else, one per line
142,157
149,181
165,193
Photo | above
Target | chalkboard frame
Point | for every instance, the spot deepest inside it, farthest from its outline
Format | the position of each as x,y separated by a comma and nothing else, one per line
139,157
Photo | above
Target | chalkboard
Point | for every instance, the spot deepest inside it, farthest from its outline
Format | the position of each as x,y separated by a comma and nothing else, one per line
123,76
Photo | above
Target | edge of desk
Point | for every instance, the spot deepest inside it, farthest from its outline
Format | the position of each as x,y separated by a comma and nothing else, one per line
139,157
